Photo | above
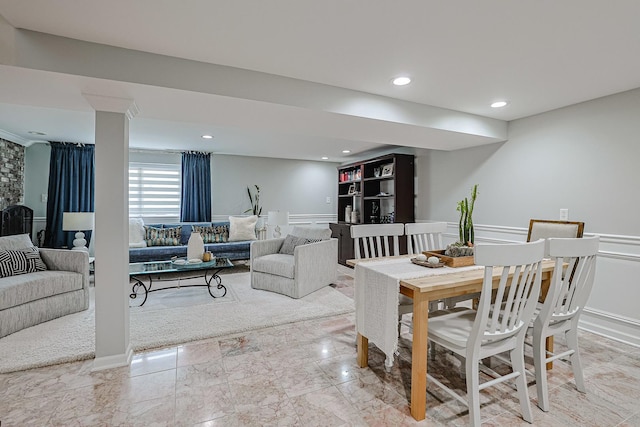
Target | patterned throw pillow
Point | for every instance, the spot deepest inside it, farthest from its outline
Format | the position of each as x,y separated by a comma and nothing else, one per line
162,236
21,261
290,243
213,234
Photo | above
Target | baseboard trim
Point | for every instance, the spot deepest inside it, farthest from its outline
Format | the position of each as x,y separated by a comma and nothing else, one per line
609,325
114,361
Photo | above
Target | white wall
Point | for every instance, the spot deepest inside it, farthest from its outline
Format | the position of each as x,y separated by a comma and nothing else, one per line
298,186
584,158
36,177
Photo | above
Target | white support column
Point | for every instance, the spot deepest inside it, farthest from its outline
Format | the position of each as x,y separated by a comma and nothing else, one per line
112,229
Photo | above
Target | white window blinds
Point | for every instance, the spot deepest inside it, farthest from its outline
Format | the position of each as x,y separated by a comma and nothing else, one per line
154,189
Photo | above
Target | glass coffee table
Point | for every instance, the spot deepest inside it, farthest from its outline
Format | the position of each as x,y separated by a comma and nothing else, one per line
160,271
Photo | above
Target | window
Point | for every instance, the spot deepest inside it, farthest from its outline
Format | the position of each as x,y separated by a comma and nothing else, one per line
154,189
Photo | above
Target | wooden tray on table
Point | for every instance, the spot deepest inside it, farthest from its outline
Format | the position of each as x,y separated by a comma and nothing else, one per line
461,261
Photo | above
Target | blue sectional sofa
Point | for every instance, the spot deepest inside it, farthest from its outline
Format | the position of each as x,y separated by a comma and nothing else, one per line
240,250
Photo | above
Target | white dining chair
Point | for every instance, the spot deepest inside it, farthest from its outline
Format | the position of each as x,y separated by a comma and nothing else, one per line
498,325
427,236
424,236
376,240
568,293
380,240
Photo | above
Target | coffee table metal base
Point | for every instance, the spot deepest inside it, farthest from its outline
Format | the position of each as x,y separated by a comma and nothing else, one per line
141,290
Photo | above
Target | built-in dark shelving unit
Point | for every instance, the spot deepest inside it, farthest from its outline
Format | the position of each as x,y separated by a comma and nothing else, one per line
380,189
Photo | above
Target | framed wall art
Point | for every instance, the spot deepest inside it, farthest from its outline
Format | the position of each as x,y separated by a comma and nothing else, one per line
387,170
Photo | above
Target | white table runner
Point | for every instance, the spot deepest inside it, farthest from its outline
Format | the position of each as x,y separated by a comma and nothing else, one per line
377,287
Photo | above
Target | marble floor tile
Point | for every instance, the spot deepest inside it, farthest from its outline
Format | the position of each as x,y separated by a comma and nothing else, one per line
301,379
257,390
92,404
368,394
585,409
343,368
239,345
273,414
633,421
194,353
154,412
326,407
246,365
153,361
305,374
149,386
48,380
202,375
199,403
615,384
30,410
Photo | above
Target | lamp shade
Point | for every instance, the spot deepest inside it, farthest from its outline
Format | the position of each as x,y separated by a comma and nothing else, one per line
77,221
278,218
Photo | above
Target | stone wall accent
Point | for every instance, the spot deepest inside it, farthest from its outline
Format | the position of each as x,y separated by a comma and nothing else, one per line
11,173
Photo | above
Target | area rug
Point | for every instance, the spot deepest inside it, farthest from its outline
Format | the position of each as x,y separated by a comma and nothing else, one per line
72,338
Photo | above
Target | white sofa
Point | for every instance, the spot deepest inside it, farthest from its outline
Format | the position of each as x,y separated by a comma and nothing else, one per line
33,298
311,267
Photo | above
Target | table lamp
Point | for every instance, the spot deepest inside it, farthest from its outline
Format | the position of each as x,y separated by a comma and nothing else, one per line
277,218
78,222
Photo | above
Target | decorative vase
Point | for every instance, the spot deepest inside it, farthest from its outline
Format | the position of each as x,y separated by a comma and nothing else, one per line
195,246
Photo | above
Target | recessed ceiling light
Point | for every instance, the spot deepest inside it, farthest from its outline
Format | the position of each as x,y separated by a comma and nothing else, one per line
346,151
499,104
325,158
207,136
401,81
35,132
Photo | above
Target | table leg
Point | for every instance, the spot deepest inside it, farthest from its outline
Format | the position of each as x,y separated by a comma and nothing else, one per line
544,289
136,287
214,276
419,356
363,351
549,346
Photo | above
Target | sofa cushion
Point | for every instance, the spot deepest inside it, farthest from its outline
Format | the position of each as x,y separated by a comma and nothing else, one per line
277,264
213,233
21,261
136,233
242,228
290,243
17,241
311,232
25,288
162,236
187,229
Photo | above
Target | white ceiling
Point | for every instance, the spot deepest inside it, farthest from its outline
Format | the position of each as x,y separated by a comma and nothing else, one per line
462,55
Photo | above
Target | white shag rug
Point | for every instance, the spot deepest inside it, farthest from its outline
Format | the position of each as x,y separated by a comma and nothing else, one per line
164,321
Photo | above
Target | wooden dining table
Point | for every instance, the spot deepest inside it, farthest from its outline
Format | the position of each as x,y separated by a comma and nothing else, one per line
433,288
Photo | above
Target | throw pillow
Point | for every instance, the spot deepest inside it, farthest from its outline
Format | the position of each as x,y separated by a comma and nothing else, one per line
20,261
162,236
291,241
136,233
213,234
16,241
242,228
311,232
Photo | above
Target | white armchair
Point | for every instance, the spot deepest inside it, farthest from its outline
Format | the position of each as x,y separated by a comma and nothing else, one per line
311,267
